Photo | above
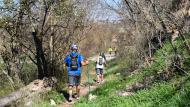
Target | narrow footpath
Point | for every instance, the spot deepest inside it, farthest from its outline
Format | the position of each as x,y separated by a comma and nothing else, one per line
85,89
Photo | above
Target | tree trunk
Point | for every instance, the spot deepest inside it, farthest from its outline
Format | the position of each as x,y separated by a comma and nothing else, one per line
40,56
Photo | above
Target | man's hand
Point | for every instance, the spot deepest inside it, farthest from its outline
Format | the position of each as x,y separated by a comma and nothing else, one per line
105,64
85,62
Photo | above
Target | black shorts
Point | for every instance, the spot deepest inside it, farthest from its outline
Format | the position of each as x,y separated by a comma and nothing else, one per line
74,80
99,71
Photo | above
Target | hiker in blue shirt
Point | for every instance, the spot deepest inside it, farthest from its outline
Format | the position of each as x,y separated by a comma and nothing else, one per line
74,61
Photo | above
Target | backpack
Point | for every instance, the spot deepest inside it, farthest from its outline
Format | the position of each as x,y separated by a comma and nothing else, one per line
100,60
74,63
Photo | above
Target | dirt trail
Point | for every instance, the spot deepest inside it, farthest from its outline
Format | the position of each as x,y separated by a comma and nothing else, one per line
85,89
108,57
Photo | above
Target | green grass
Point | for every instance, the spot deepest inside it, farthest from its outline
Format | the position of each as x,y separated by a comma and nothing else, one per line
172,93
28,73
5,89
160,95
44,100
6,86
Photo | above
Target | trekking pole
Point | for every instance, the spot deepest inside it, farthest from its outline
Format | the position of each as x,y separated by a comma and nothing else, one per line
88,75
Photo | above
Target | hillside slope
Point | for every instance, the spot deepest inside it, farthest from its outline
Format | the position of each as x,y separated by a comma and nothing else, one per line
161,84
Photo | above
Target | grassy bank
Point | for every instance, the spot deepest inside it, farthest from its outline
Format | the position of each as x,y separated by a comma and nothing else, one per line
169,88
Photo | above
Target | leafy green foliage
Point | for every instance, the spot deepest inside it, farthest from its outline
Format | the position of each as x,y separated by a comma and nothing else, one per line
28,73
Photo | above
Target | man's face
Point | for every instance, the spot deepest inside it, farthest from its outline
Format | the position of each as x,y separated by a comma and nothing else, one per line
74,50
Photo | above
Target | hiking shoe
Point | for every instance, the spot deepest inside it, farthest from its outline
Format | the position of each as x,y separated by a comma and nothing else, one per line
77,97
70,99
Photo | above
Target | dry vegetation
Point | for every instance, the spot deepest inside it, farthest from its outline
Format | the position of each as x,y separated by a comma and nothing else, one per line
36,34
